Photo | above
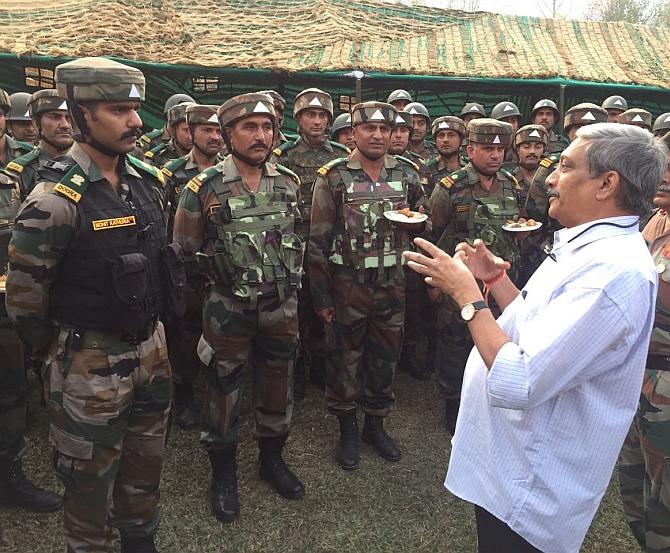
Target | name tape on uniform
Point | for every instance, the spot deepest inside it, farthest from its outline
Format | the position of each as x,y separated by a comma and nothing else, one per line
105,224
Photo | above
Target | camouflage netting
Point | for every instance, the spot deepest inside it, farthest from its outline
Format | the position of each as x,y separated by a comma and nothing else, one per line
332,35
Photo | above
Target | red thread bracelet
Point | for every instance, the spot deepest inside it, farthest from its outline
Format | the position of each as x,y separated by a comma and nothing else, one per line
488,284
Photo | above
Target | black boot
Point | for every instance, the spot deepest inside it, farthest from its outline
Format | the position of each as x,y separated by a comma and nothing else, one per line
224,501
375,435
299,379
185,408
451,414
17,491
346,454
138,545
317,372
273,469
410,363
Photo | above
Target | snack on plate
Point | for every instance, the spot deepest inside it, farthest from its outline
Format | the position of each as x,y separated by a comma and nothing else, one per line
521,223
407,212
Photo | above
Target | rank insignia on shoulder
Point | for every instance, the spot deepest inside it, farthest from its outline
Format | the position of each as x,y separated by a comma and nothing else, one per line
15,167
447,182
277,152
194,185
323,171
149,154
167,172
546,162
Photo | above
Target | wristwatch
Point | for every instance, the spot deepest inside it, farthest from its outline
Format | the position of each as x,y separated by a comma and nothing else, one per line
469,310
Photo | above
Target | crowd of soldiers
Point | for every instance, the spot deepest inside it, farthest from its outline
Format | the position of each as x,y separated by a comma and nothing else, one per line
216,245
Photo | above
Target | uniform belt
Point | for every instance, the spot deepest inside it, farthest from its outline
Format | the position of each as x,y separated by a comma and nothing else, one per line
658,362
101,339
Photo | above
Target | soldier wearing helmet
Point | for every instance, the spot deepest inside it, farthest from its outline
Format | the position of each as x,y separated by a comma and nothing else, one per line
20,124
231,219
184,332
342,131
280,109
615,106
90,278
545,113
180,142
420,129
10,148
357,277
509,113
449,132
313,112
636,117
156,137
52,120
662,124
470,111
473,202
399,99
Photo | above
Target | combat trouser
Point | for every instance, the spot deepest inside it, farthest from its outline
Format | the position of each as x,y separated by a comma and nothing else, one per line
366,338
644,465
453,344
13,393
264,338
108,410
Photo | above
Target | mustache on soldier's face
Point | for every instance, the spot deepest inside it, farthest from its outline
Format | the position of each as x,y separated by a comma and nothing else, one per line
552,193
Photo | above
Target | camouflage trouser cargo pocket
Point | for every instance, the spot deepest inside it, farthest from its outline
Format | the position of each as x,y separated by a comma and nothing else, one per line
68,451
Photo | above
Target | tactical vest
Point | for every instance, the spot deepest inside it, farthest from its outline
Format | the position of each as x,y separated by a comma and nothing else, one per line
369,240
9,207
254,242
483,218
173,189
111,278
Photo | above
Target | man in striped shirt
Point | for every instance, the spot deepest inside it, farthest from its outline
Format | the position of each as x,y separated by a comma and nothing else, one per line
552,385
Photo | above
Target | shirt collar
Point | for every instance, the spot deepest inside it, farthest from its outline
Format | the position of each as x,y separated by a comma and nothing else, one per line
91,170
570,239
231,171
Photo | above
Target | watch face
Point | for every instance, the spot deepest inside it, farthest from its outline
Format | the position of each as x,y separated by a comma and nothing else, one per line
468,311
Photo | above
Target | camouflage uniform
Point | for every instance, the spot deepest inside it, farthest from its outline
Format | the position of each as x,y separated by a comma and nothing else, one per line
556,143
426,150
14,149
87,285
155,137
644,463
364,284
437,166
305,160
459,212
159,155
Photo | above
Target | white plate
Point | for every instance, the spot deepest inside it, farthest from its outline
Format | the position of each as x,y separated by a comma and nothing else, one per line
398,217
510,228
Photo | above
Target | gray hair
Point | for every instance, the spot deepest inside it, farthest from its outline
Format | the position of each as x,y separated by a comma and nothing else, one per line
635,154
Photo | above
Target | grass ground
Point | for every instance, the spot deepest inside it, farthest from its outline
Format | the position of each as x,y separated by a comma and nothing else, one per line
381,508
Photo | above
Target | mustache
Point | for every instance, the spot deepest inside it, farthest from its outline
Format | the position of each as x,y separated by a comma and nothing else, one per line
134,133
663,188
551,193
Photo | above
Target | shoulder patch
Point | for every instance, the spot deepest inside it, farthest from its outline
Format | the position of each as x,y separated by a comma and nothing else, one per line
408,162
510,177
431,162
196,182
25,146
447,182
139,164
323,171
287,171
339,146
173,165
72,185
549,160
146,139
17,165
279,150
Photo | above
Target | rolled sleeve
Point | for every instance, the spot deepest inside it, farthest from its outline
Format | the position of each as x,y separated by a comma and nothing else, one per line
507,382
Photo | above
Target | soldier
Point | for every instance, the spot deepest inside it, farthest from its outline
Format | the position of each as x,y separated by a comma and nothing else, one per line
545,113
636,116
52,120
236,221
643,462
448,133
509,113
416,329
356,267
399,99
184,332
180,142
470,111
155,137
342,131
420,127
662,124
313,112
530,142
576,117
20,124
615,106
280,108
15,489
10,148
474,202
89,276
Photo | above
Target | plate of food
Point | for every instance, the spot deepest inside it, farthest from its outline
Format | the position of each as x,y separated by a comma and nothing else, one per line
522,225
3,283
405,215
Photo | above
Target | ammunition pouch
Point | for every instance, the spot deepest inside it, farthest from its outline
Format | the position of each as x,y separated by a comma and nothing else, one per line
174,279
